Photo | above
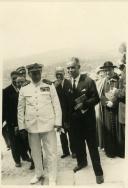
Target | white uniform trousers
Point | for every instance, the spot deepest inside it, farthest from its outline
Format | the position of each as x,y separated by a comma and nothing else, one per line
49,141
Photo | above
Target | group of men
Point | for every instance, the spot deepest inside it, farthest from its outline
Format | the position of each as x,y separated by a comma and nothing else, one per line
33,110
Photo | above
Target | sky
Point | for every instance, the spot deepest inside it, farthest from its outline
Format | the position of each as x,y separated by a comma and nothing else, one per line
30,27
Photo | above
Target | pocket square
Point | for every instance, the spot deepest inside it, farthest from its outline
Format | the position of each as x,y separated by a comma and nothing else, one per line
83,90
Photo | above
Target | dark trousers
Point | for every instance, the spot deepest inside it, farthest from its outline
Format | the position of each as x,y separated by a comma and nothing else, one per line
121,140
64,142
25,142
26,148
17,146
6,136
83,131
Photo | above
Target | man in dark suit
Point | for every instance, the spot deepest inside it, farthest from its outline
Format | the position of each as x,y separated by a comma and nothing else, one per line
4,126
61,83
10,102
83,97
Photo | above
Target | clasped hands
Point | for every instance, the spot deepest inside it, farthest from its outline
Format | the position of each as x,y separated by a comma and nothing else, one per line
109,104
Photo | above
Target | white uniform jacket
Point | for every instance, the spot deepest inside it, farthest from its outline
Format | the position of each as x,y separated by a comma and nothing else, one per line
38,108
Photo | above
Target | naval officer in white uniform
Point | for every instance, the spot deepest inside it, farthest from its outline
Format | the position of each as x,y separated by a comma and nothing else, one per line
39,112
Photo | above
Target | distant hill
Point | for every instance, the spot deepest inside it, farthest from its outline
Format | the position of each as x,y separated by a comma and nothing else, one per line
51,59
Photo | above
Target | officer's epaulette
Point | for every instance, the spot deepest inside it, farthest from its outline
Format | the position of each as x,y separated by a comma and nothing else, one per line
26,83
47,81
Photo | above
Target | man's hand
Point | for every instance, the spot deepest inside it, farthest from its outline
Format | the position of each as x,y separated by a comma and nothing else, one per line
78,106
16,129
109,104
66,126
4,123
23,133
58,128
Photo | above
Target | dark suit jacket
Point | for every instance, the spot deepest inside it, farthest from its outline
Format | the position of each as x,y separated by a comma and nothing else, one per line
62,94
88,87
10,102
3,107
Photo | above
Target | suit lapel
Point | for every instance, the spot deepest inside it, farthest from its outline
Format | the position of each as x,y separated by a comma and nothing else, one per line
64,84
67,83
81,79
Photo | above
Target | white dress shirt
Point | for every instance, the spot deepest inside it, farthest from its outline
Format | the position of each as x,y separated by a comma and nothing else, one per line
76,80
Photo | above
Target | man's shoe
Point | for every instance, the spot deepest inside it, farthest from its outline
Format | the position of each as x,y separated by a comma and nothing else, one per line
36,179
99,179
18,165
64,155
79,167
73,155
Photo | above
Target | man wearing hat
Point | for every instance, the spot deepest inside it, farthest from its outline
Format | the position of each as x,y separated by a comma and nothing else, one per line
61,84
10,102
22,73
83,97
100,74
110,110
39,112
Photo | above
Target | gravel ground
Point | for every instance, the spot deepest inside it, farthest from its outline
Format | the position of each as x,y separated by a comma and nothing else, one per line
113,171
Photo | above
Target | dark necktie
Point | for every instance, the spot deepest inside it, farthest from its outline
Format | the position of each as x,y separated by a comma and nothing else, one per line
74,85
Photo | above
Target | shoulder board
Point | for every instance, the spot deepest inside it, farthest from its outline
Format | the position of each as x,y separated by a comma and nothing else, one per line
47,81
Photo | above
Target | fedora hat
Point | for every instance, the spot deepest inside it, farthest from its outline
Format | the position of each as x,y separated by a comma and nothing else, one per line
108,64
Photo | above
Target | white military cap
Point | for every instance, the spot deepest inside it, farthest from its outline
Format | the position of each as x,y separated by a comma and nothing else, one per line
34,67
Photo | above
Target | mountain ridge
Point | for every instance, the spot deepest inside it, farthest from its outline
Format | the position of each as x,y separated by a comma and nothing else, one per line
51,59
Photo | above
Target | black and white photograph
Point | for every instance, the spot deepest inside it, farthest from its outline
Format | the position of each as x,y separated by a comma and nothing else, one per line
63,93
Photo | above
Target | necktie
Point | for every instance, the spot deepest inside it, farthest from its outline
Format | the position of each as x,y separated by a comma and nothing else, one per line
61,87
74,85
